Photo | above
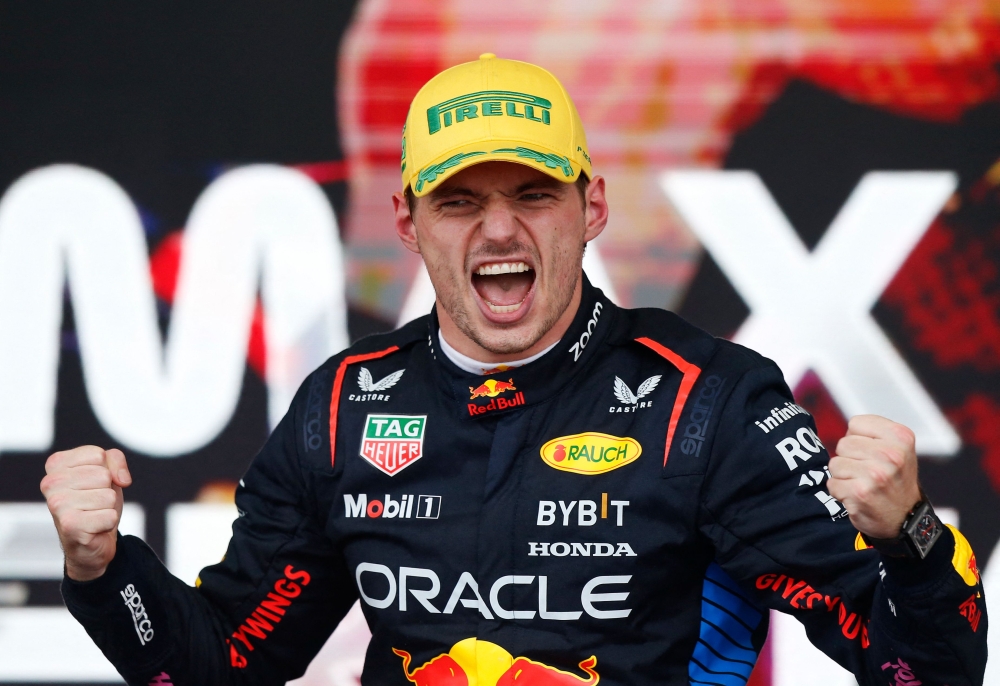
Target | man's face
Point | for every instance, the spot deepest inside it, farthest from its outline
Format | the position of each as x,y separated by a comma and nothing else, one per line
503,244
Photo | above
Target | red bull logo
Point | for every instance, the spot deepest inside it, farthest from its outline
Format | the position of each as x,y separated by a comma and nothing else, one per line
496,404
491,388
525,672
472,662
441,671
964,560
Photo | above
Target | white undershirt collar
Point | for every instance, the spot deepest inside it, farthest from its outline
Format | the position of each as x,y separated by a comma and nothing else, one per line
467,364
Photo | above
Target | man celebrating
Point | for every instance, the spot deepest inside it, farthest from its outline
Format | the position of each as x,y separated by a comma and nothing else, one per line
532,485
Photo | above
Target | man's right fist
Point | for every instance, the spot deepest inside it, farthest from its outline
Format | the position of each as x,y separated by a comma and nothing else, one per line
83,489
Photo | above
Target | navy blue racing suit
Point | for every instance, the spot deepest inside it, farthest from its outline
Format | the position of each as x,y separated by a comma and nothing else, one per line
624,509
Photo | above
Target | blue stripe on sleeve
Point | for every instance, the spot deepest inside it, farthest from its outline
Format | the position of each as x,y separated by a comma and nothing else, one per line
724,654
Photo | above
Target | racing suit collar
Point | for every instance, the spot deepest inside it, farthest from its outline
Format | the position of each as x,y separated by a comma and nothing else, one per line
510,389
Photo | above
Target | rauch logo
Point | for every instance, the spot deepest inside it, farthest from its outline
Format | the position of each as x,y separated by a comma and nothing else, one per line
590,452
393,442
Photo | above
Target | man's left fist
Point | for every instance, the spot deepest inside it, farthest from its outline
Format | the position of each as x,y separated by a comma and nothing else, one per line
874,474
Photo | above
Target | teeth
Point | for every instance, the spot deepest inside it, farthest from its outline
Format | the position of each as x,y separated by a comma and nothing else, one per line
503,268
503,309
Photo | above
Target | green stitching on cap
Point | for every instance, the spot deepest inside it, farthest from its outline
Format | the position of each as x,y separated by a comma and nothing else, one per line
430,174
402,159
550,161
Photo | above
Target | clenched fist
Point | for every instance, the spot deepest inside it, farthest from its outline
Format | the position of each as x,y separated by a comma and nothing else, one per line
874,474
83,489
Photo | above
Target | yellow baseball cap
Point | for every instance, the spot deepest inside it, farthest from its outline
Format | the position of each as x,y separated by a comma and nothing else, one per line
491,109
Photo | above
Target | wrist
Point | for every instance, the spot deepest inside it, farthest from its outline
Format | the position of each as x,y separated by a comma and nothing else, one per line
78,572
909,575
917,535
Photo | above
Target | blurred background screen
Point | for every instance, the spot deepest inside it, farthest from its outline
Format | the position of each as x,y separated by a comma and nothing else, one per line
195,213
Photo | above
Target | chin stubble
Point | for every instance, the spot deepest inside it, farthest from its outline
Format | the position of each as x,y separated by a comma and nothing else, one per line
514,343
501,342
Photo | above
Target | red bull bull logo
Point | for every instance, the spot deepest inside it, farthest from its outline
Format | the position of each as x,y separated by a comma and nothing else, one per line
441,671
964,560
525,672
491,388
472,662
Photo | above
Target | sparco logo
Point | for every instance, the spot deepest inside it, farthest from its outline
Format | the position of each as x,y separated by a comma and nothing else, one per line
313,428
693,435
143,627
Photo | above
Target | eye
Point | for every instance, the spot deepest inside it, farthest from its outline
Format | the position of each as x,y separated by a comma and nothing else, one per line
534,197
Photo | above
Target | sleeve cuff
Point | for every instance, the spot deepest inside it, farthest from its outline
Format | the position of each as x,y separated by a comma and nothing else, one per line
99,592
912,575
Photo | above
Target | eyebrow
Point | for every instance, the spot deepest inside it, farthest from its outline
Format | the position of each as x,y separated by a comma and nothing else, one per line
547,183
445,191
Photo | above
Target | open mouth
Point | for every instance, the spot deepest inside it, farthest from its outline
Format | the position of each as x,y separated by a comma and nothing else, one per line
503,286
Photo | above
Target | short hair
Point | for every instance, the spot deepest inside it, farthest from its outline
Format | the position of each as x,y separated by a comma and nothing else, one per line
581,184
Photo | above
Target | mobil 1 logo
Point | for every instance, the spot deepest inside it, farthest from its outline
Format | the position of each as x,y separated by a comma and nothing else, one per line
406,506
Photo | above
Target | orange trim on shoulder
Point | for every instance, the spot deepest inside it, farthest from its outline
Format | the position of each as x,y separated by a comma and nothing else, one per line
338,384
690,372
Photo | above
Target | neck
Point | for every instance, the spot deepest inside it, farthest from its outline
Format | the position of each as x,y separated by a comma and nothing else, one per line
465,345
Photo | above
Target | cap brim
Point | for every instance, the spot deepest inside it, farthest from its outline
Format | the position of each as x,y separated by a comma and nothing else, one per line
462,157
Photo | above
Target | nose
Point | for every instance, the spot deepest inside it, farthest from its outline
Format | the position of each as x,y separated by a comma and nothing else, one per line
500,226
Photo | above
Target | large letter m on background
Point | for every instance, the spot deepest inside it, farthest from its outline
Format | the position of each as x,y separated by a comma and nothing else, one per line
261,228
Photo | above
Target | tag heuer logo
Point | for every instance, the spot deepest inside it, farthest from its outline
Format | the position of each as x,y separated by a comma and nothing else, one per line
392,442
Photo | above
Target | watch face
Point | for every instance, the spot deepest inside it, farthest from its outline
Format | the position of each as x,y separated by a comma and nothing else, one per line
923,532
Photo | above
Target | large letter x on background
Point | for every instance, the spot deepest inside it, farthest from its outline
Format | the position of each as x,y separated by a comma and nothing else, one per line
813,309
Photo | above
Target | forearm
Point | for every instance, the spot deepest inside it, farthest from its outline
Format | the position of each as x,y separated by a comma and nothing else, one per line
148,623
928,618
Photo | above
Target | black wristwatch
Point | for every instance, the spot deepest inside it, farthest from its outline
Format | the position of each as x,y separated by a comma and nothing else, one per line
920,531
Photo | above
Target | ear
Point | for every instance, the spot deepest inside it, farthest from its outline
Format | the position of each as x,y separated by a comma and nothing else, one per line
405,229
596,210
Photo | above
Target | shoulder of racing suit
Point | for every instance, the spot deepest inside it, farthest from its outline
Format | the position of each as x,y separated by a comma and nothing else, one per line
711,369
315,408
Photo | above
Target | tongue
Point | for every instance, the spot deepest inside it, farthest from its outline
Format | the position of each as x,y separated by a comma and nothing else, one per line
503,289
